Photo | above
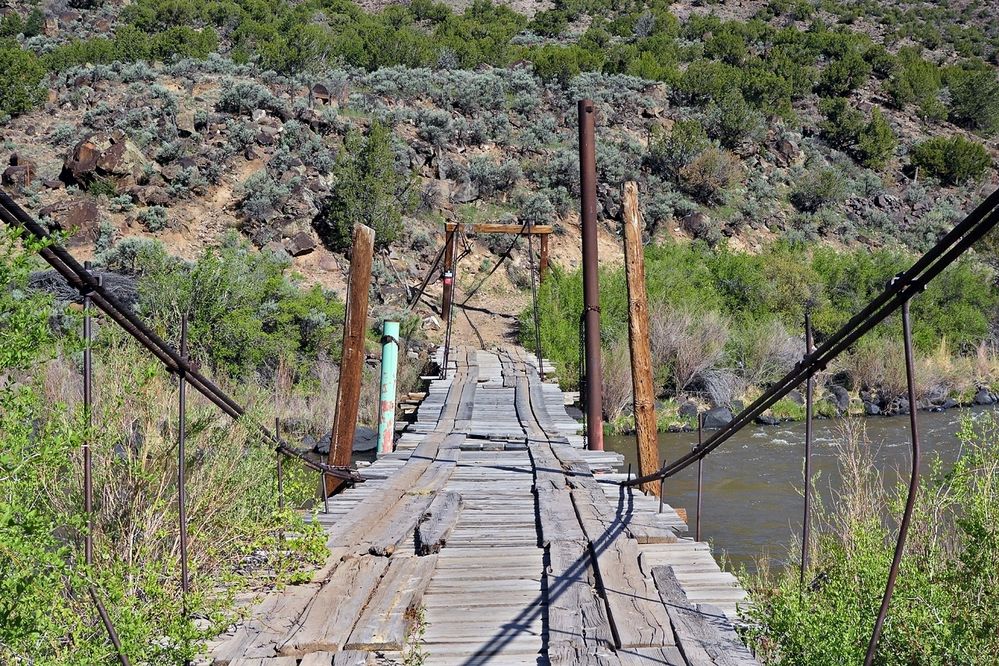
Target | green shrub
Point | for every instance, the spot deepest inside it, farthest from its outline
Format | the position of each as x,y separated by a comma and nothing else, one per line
731,120
818,189
844,75
974,98
368,188
877,141
710,175
670,151
918,82
954,160
21,76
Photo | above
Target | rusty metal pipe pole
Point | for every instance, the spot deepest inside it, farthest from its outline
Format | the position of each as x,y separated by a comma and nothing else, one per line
700,476
591,287
903,528
806,520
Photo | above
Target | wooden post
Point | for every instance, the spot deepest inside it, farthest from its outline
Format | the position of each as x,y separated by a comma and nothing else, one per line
543,263
348,394
638,338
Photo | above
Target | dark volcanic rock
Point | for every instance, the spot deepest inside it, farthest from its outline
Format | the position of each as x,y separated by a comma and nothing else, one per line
839,397
717,417
80,217
983,397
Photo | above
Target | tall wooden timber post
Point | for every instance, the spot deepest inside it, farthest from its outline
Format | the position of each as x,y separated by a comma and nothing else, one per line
638,338
348,394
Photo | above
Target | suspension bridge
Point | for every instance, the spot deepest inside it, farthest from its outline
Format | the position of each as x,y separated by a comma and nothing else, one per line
491,536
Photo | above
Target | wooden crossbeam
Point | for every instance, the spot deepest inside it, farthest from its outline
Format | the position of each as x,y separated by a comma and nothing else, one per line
499,228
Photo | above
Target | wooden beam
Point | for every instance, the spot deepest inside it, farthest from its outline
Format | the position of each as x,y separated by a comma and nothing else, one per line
348,395
499,228
638,338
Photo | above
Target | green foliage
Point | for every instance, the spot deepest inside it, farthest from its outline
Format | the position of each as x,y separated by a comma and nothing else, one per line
877,141
844,75
954,160
942,611
872,143
917,81
21,76
559,64
245,315
709,176
974,98
368,188
669,152
756,290
818,188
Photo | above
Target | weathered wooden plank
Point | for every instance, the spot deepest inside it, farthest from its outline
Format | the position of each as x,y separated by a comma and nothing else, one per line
265,661
437,522
576,615
385,621
557,517
703,639
637,616
257,635
329,618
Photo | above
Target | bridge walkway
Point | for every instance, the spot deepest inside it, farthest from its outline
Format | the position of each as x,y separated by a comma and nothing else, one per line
490,536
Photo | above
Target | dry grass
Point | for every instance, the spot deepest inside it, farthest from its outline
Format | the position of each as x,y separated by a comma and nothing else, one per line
685,344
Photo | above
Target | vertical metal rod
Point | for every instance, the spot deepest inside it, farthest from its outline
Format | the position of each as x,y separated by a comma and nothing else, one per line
591,286
88,423
662,485
534,302
700,477
88,477
280,466
806,519
386,403
182,466
910,501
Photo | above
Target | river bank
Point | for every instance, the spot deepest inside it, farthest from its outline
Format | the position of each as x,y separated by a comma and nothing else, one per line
752,485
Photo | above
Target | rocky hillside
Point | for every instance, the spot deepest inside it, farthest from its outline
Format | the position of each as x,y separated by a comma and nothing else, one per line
838,122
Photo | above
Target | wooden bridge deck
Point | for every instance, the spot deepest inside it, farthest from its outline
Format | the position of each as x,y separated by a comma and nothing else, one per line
491,536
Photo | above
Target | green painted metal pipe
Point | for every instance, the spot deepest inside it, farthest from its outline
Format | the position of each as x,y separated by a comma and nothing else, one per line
386,407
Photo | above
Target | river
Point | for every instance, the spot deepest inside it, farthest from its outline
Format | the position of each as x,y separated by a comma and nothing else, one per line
752,503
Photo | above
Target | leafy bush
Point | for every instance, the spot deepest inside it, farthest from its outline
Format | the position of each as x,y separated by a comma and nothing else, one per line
844,75
710,175
818,188
671,151
20,81
954,160
491,177
974,98
872,143
368,188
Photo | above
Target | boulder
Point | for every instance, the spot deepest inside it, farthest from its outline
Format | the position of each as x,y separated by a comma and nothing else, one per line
688,410
81,218
983,397
300,244
839,397
949,403
17,176
717,417
111,156
464,192
147,195
871,409
767,420
185,122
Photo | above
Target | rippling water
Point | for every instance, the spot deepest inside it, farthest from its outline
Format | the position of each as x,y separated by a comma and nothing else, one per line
752,499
